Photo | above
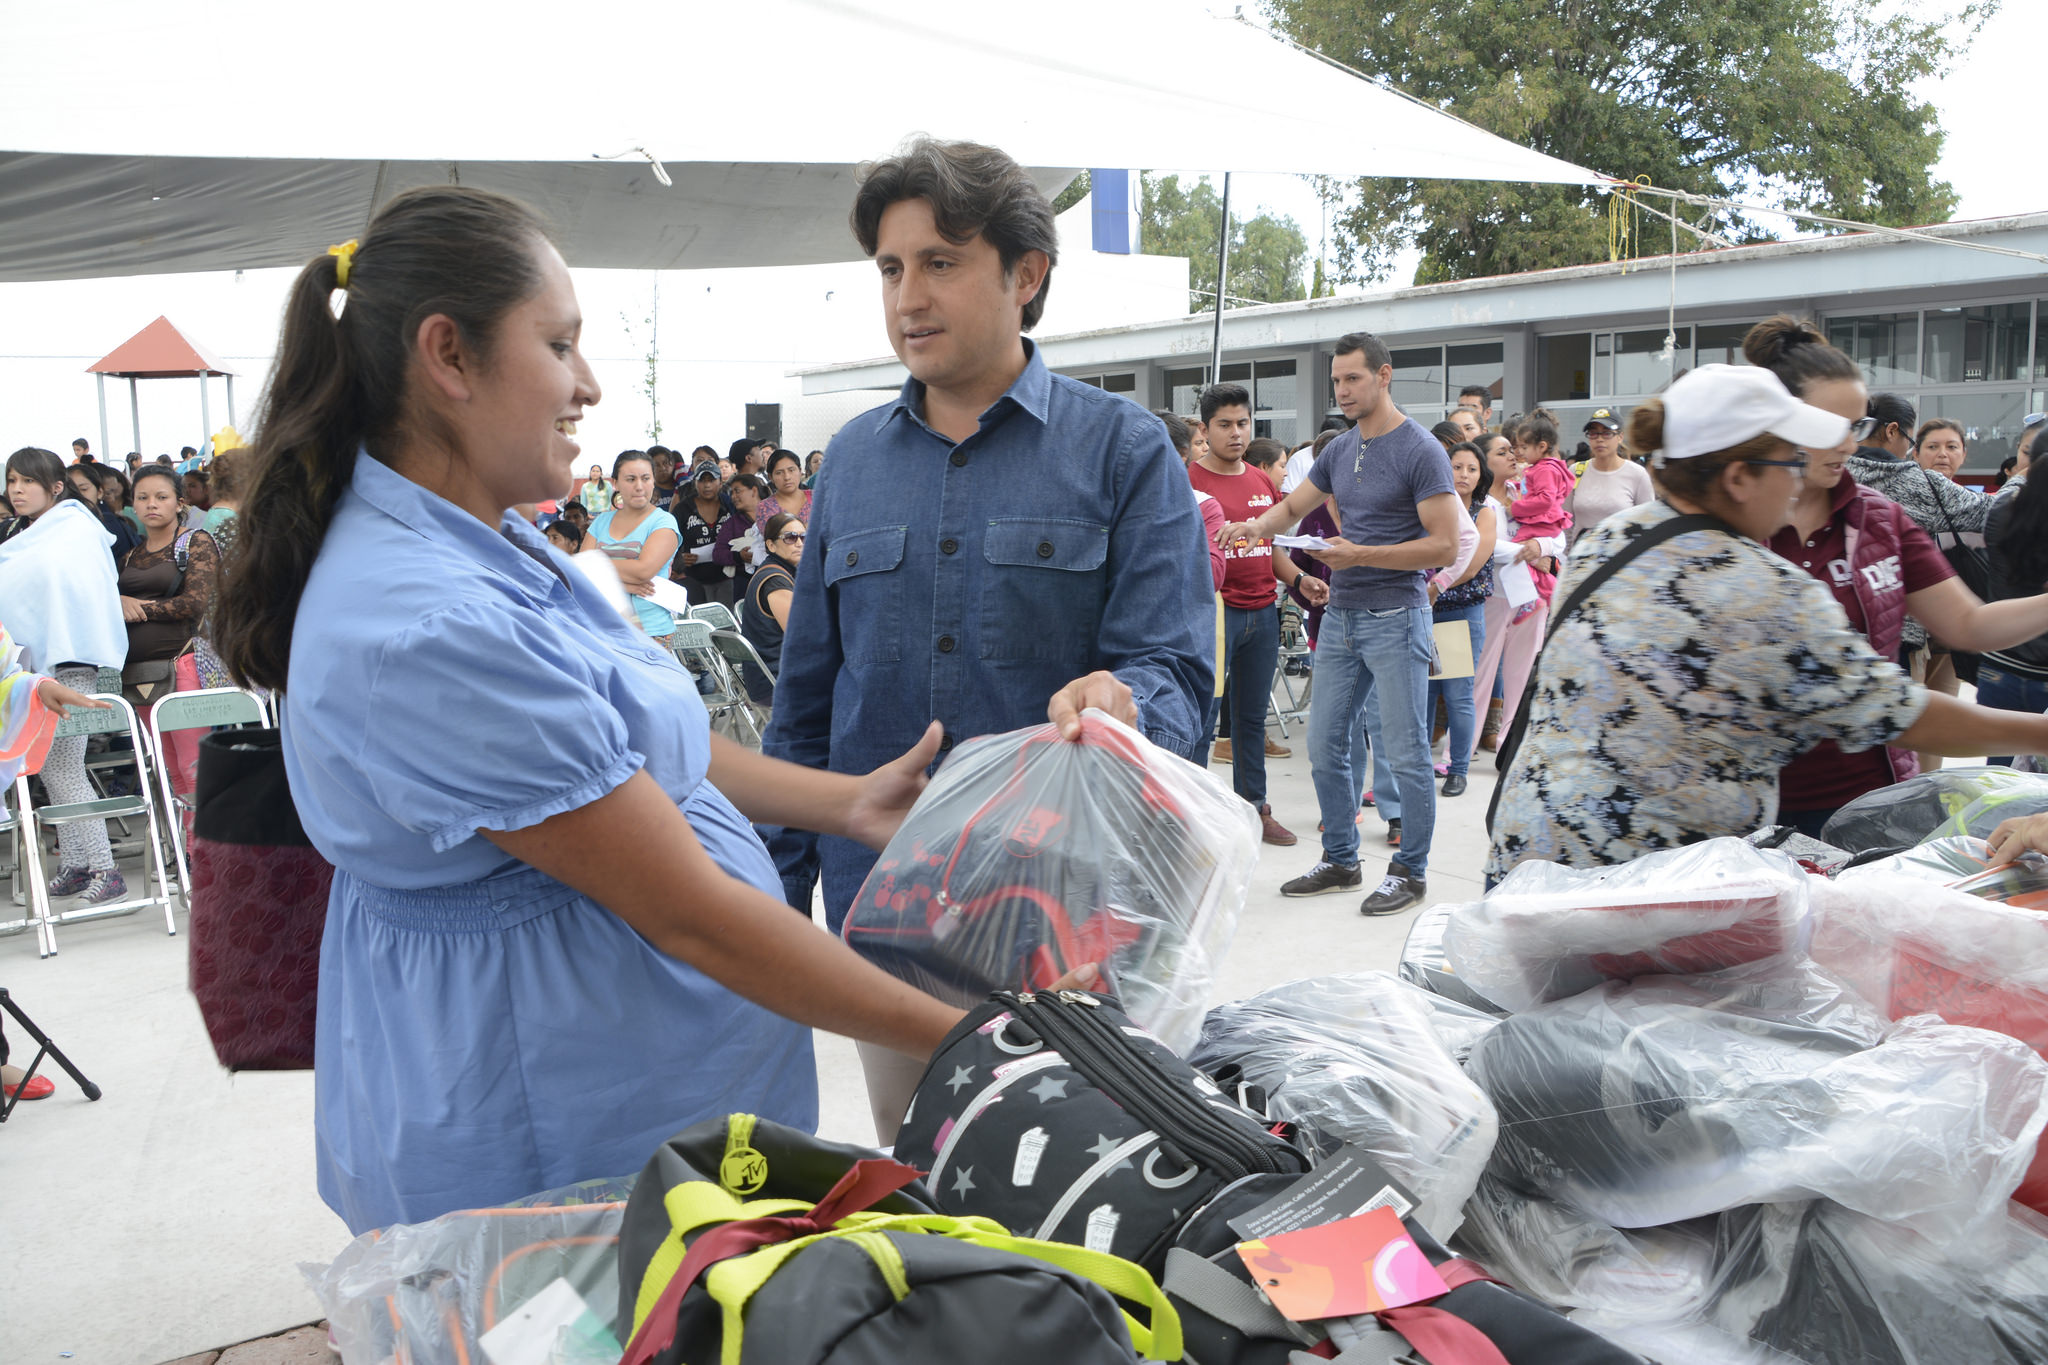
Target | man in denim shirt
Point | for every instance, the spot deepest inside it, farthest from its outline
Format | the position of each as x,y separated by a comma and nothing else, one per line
995,538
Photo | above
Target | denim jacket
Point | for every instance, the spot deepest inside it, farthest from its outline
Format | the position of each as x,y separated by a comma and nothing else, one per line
969,583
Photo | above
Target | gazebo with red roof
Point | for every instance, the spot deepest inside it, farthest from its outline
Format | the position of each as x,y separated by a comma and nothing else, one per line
158,351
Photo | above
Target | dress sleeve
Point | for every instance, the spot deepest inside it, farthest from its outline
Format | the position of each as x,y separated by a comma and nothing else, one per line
538,737
1814,676
202,570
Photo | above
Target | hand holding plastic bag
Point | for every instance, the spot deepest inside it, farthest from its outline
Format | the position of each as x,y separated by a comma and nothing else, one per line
1029,855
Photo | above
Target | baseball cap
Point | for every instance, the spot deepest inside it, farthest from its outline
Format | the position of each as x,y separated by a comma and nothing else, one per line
1716,407
707,467
1604,418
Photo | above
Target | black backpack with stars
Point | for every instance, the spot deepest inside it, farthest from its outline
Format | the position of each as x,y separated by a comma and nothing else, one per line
1062,1120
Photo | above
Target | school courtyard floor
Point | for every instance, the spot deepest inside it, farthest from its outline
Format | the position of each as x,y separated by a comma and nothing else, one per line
169,1219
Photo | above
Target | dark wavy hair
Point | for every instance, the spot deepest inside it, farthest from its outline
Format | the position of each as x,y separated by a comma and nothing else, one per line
340,384
974,191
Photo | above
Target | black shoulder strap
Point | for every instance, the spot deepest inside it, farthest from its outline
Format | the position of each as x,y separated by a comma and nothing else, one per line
1648,540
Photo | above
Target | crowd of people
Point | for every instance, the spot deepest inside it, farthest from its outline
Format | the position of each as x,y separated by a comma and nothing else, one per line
1665,620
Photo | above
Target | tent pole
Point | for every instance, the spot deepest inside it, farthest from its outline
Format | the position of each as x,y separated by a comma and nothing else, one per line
135,414
1222,280
231,400
205,419
99,382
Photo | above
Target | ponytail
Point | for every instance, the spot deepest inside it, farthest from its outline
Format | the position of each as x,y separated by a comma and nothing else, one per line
339,386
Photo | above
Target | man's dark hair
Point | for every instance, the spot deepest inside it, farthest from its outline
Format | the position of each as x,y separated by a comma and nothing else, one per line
1479,391
186,452
1333,423
1176,431
1377,356
974,191
1219,396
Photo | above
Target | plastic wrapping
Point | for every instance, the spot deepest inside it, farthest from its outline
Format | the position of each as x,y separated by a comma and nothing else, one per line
1359,1060
1819,1284
1570,1260
1934,805
1029,855
1963,863
543,1272
1911,948
1548,931
1669,1098
1423,962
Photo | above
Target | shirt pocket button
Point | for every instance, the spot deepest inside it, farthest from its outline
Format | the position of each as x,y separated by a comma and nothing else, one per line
1045,549
852,558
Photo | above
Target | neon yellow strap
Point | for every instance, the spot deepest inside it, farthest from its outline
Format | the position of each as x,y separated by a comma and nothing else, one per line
691,1206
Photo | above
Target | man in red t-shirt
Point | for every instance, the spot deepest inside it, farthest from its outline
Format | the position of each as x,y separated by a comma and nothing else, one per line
1251,625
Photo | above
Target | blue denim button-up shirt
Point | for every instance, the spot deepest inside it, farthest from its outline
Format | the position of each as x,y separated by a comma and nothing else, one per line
969,583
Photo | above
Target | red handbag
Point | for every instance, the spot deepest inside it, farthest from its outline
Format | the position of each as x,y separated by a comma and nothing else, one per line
258,906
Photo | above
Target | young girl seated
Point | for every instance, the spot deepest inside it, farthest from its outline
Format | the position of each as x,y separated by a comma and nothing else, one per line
1539,509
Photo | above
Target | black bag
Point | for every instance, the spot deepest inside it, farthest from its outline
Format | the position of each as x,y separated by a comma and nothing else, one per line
1971,564
1225,1321
836,1256
1059,1118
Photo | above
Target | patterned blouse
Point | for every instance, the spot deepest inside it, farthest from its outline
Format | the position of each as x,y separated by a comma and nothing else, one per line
1665,706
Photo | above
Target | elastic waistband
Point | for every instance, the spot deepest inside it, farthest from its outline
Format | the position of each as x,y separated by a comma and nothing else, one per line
488,906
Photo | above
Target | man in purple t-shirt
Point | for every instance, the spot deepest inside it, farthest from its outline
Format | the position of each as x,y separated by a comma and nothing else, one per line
1391,483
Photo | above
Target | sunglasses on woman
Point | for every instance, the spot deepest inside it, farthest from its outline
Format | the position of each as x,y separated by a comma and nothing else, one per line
793,537
1863,428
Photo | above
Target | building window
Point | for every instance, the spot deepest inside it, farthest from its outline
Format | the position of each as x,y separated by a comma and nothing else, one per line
1564,366
1886,345
1125,384
1976,345
1418,378
1483,363
1274,389
1720,343
1427,378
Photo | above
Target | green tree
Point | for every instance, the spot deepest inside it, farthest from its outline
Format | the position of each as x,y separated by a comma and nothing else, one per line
1800,104
1268,255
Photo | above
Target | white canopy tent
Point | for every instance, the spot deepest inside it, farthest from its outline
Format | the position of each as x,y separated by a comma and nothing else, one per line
136,137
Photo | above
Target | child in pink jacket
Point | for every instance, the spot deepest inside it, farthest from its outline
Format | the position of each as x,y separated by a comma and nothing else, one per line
1539,509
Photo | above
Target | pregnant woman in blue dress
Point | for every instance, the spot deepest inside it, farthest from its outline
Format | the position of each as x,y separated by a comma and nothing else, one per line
553,940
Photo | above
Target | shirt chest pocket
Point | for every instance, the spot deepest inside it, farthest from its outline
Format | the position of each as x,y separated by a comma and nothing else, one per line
1046,583
864,579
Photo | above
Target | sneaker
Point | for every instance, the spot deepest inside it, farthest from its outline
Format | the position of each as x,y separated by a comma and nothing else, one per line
1219,752
1324,878
1443,769
104,888
69,881
1394,832
1397,892
1366,800
1454,785
1272,831
1275,749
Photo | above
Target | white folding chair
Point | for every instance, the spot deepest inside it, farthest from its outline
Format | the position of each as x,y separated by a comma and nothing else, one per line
726,699
716,615
1290,701
206,708
11,829
118,716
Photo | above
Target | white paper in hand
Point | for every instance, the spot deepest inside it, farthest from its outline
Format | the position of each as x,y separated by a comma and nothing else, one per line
1516,585
597,566
1301,542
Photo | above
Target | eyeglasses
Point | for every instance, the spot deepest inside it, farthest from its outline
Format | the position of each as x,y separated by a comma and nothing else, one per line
794,537
1863,427
1798,464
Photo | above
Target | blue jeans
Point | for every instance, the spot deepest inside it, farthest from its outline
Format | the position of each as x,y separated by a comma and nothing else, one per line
1457,692
1385,654
1208,741
2007,691
1251,651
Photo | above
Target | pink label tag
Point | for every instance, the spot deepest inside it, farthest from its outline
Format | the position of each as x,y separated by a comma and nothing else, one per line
1355,1265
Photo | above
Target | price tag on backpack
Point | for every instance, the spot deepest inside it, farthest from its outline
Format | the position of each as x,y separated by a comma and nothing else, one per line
1345,1185
1358,1265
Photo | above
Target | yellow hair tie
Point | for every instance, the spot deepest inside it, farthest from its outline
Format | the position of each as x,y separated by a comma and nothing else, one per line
342,254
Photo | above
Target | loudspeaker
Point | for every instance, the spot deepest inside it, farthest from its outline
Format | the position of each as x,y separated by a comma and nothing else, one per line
764,422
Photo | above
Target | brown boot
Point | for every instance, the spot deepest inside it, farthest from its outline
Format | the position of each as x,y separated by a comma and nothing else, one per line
1275,749
1272,831
1219,752
1489,734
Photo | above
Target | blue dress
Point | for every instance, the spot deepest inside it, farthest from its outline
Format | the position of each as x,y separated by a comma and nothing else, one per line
486,1032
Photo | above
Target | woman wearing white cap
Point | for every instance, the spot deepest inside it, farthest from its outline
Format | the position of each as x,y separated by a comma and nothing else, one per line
1670,694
